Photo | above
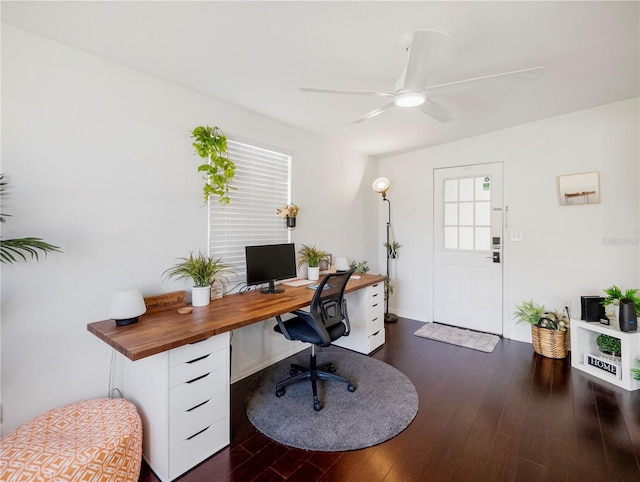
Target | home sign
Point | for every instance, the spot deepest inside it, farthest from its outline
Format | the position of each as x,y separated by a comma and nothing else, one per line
604,365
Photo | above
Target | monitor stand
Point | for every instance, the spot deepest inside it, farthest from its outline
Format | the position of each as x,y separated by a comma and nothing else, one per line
271,289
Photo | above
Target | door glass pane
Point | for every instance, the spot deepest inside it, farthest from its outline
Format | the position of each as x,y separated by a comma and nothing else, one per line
483,213
466,237
483,236
451,214
466,189
483,188
450,238
466,214
451,190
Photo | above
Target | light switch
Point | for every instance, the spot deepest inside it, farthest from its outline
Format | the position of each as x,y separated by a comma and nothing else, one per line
516,237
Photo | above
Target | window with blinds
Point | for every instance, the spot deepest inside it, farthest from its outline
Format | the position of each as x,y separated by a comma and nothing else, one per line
262,185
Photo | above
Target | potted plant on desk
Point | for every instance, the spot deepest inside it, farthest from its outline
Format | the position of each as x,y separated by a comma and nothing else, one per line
548,329
312,257
204,272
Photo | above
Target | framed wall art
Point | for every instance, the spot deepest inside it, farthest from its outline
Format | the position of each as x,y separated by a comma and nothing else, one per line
583,188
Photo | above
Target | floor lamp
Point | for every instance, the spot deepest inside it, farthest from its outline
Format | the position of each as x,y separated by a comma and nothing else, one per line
381,185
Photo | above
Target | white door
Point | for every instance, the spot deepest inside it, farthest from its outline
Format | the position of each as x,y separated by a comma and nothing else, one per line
467,244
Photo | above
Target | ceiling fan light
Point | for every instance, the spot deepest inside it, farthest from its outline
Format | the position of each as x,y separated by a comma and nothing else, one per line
410,99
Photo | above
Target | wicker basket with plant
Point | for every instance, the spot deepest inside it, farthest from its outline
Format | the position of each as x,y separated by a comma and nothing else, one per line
548,329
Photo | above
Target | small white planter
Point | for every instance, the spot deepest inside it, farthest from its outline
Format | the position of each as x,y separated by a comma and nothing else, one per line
313,273
201,296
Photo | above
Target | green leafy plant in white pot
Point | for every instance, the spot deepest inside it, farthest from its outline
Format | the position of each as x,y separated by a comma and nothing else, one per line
204,272
312,257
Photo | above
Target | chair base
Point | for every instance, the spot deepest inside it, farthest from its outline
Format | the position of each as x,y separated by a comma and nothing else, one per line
313,372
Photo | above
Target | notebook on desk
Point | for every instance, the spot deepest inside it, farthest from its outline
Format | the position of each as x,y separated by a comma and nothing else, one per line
297,282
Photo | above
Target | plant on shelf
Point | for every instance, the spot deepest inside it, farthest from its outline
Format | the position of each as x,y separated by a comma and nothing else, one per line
537,315
388,288
211,144
615,295
203,271
12,250
636,371
392,249
609,344
360,266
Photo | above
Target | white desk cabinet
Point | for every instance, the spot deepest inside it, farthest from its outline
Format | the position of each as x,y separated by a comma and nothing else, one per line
366,316
183,399
583,341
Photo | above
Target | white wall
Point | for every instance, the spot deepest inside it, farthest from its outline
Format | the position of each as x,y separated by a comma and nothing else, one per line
100,162
566,251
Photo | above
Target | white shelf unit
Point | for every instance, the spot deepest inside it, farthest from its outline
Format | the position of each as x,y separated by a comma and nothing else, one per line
183,399
583,340
366,317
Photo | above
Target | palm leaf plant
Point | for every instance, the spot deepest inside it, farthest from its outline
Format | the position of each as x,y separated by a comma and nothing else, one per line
13,250
201,269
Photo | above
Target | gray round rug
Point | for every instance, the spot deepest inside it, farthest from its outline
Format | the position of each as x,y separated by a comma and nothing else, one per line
383,405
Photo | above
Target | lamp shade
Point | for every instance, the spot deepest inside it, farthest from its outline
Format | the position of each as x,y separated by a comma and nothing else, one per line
127,306
381,185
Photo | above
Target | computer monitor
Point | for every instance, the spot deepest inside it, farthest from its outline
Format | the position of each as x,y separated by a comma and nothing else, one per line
269,263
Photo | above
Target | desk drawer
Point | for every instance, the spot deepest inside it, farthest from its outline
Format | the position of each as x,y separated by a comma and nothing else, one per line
194,368
192,351
191,393
184,455
375,294
190,422
376,340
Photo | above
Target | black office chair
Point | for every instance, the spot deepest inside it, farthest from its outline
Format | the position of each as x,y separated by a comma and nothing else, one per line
326,321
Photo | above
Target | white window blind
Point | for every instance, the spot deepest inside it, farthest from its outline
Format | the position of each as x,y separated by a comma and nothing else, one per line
262,186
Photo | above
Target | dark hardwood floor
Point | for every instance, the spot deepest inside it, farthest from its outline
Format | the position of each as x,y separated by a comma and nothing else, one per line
510,415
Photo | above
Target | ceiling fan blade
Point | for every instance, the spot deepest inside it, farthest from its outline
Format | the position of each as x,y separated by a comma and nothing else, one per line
439,112
426,47
374,112
508,79
341,91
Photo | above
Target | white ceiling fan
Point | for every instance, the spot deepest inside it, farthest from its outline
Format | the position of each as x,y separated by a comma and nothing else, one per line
424,47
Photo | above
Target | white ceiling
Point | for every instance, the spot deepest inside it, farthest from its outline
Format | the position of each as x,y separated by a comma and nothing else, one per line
258,54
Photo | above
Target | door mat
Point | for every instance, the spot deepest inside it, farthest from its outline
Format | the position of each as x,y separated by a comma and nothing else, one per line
459,336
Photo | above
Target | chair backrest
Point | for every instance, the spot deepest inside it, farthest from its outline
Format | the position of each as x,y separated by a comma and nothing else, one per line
328,305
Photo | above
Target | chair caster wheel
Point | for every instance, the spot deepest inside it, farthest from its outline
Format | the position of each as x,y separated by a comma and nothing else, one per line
351,388
293,372
332,369
316,407
279,393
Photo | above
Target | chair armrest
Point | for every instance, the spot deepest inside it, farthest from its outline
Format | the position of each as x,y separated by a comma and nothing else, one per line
283,328
345,314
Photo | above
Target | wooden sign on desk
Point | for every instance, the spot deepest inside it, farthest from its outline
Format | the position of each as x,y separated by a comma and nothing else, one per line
168,301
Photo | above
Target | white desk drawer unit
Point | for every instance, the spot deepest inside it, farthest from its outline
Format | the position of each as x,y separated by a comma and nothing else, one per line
366,315
183,399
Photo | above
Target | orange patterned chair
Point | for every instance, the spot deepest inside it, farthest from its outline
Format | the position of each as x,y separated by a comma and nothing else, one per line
92,440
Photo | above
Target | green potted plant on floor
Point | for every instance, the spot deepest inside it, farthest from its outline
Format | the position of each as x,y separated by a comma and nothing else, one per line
548,329
211,144
204,272
312,257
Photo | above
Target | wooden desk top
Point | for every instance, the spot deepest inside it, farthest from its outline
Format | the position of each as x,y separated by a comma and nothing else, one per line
158,332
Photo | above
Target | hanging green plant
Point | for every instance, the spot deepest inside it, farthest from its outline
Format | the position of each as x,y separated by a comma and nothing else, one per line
211,144
12,250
